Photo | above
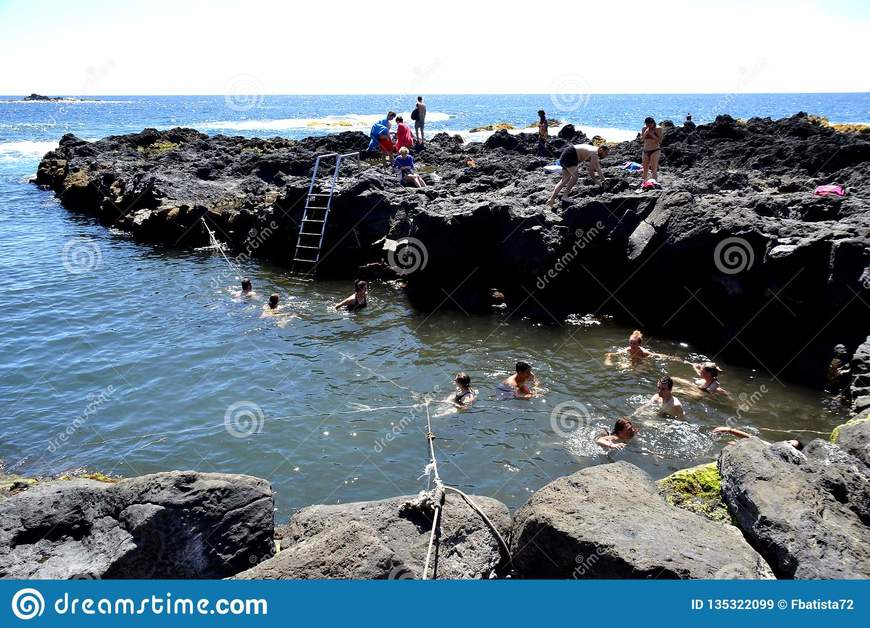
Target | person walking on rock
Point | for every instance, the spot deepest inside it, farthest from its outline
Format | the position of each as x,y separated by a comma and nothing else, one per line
419,118
543,133
651,136
570,161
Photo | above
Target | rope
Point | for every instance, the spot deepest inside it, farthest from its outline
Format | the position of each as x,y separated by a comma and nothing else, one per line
218,245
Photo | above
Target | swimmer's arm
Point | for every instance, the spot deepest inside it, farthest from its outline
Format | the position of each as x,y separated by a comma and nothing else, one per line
732,431
607,443
344,303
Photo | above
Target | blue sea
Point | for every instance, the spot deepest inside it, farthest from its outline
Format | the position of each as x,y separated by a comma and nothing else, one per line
127,358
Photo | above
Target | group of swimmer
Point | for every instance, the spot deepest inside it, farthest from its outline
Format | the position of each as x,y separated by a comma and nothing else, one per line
522,384
272,307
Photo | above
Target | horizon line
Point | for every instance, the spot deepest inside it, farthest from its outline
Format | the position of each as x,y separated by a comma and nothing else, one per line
411,94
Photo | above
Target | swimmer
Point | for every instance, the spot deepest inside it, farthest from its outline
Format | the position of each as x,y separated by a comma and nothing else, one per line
635,349
465,394
358,300
617,439
794,442
273,301
709,374
518,383
665,401
248,288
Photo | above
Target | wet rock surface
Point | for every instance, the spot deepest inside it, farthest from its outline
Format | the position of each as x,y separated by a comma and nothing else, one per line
609,521
732,246
806,512
165,525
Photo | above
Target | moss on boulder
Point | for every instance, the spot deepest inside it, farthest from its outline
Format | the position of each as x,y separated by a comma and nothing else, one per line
863,417
697,489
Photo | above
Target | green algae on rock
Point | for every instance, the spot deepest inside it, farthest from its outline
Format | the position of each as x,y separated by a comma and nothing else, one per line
698,490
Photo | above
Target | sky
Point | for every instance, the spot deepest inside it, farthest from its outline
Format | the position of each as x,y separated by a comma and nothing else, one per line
100,47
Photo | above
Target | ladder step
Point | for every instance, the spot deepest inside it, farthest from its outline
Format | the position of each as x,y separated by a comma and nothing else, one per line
311,220
308,261
316,235
301,246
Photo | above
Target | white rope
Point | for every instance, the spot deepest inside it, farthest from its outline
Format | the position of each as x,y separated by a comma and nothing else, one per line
218,245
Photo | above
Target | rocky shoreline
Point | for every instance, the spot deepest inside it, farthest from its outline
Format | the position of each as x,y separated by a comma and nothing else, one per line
789,514
734,246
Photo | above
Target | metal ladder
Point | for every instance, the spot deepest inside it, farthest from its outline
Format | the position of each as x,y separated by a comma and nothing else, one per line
313,225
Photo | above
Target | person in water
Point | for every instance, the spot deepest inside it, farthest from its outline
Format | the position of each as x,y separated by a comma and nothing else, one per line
570,159
794,442
464,395
543,133
708,381
635,350
665,401
248,288
273,301
404,167
519,384
619,437
404,138
358,300
651,136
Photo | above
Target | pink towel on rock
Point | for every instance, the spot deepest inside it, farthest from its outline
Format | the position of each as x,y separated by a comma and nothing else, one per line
825,190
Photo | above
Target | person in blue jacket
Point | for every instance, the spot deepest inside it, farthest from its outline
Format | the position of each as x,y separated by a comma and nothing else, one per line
380,137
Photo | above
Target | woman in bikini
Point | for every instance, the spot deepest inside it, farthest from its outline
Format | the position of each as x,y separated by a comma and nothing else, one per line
651,135
617,438
465,394
358,300
709,377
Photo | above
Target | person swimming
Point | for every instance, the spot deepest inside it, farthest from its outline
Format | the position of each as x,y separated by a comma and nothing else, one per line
623,431
794,442
358,300
518,383
665,401
465,395
274,299
248,288
709,377
635,350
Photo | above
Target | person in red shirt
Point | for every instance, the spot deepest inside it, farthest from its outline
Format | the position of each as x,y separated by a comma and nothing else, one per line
404,137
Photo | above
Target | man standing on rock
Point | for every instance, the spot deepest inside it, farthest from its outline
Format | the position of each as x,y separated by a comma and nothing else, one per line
419,117
570,161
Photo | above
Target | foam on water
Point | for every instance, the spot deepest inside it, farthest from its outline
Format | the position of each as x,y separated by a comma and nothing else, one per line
348,122
25,148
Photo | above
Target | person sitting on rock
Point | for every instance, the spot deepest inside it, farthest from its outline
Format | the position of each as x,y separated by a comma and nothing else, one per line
570,159
404,137
651,135
623,431
794,442
404,167
688,124
517,385
358,300
380,137
665,401
709,377
465,395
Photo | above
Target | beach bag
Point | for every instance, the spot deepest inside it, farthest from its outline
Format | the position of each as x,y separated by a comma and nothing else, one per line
415,115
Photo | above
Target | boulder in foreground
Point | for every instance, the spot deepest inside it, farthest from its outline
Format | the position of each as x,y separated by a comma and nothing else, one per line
610,521
179,524
384,539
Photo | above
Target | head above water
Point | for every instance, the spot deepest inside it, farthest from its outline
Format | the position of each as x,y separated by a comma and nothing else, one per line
273,300
360,286
635,339
650,121
246,285
624,428
523,368
711,368
462,379
665,383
